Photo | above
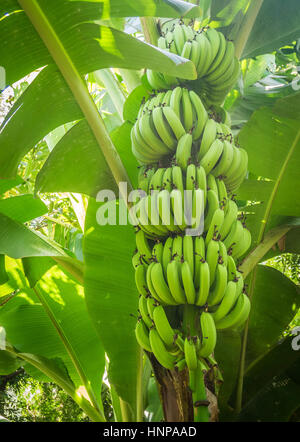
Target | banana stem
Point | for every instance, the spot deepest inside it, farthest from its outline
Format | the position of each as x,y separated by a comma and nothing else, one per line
246,26
150,30
113,88
201,413
189,320
131,79
126,415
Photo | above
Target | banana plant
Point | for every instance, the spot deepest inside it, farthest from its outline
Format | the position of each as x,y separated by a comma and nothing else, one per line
72,321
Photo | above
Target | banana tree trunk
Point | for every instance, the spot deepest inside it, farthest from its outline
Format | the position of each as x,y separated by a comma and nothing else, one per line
176,396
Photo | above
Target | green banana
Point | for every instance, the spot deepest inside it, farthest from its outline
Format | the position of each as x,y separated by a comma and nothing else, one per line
183,151
188,283
238,314
142,336
163,327
201,115
211,158
190,353
167,254
160,285
209,335
143,308
163,129
227,302
174,282
174,122
219,287
208,137
203,284
199,251
140,280
159,350
212,258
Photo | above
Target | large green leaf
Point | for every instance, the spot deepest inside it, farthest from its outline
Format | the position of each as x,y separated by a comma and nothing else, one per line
272,141
8,363
276,25
224,13
18,241
23,208
90,46
275,302
6,185
52,322
49,103
144,8
78,47
112,299
277,401
76,164
227,354
274,363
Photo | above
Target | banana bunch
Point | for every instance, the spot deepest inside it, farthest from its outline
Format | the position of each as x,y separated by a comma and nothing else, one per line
213,56
190,287
163,120
219,156
186,270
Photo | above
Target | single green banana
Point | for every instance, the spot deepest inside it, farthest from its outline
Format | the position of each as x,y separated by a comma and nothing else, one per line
238,314
227,302
188,283
174,282
210,159
191,177
231,269
142,336
175,101
149,135
174,122
203,284
167,254
183,151
160,285
143,308
208,137
190,353
230,218
201,115
140,280
163,327
188,252
159,350
163,129
225,162
212,258
215,226
199,251
179,37
143,246
219,287
187,110
209,334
